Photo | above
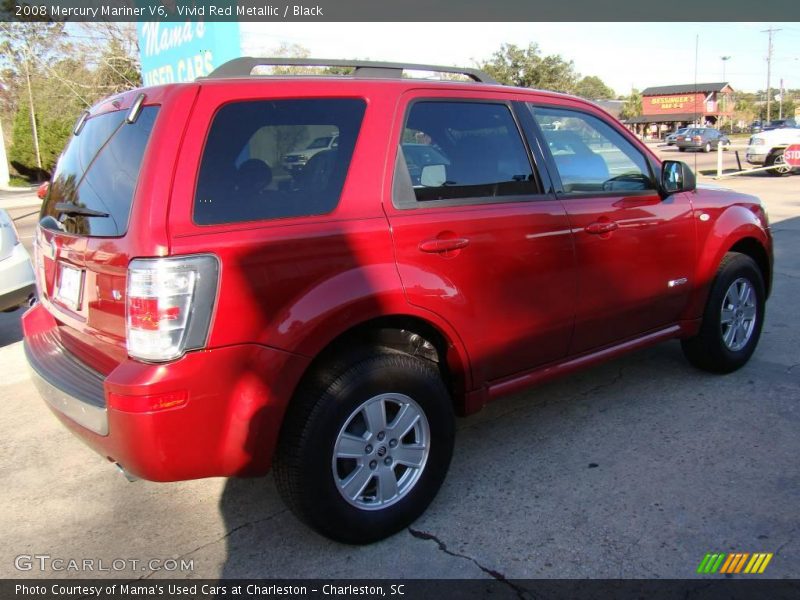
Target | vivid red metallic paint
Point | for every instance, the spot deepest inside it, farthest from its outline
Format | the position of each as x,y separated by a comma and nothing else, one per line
533,295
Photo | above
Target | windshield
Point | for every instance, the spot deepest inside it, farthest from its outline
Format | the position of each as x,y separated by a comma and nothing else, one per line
96,175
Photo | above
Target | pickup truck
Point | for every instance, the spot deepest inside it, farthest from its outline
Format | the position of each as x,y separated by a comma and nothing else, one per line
766,149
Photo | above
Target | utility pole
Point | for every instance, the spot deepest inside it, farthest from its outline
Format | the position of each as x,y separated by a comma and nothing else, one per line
34,128
724,60
769,31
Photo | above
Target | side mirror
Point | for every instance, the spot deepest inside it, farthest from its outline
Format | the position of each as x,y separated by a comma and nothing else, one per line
433,175
676,177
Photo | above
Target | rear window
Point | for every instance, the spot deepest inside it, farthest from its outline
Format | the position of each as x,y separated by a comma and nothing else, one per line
273,159
96,176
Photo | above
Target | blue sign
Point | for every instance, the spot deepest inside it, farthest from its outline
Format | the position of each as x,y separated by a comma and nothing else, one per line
178,52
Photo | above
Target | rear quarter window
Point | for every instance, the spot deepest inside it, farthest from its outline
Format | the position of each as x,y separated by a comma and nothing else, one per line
272,159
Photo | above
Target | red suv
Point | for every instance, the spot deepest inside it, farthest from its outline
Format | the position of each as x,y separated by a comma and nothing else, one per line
206,311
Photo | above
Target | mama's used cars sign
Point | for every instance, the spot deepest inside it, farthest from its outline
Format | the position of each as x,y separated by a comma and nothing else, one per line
177,52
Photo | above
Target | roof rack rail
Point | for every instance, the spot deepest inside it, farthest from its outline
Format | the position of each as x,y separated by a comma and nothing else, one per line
243,67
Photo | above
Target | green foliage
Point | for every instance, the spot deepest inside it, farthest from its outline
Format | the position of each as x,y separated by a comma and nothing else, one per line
593,88
64,76
54,130
633,105
17,181
526,67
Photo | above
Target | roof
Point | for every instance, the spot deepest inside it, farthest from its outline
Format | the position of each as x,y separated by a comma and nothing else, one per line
688,88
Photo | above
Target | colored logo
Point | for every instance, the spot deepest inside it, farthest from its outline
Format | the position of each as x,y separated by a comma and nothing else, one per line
735,562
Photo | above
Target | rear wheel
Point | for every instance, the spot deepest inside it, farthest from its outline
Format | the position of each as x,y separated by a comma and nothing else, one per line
779,161
732,318
707,147
681,149
365,448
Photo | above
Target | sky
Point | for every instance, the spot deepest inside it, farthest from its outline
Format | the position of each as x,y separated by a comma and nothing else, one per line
623,55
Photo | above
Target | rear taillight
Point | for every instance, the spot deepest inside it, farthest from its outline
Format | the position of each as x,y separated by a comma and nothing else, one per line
169,305
697,138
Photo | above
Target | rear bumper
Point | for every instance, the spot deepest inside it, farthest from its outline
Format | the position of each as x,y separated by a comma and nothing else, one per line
226,421
68,386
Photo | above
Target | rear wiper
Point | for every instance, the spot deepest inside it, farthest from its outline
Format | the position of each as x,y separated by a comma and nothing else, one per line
72,210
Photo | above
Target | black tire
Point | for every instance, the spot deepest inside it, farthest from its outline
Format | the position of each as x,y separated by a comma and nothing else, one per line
681,149
777,158
708,349
304,464
707,147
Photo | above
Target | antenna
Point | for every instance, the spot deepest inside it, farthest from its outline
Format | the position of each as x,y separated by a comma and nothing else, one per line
769,31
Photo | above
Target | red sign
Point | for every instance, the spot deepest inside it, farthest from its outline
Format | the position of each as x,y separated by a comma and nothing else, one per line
672,104
792,155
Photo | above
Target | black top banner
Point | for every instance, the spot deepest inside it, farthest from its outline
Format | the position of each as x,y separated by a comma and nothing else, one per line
400,10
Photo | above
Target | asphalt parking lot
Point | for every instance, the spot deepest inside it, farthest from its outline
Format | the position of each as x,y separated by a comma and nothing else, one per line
633,469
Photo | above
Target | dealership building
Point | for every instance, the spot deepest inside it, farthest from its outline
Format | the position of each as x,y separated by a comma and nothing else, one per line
669,107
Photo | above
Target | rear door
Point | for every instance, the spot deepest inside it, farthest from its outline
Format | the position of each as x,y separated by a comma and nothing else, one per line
477,240
634,248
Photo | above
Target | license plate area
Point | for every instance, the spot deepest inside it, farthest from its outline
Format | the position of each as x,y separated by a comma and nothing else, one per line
70,286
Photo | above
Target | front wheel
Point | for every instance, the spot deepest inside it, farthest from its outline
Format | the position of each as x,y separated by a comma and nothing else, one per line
732,318
777,160
364,450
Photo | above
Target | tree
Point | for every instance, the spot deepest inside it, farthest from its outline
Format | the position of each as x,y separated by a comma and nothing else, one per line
526,67
48,84
593,88
633,105
22,46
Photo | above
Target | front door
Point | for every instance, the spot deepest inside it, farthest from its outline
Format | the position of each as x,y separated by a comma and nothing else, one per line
634,247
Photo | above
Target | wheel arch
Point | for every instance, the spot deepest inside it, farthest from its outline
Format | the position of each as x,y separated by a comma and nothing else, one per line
751,247
410,334
738,229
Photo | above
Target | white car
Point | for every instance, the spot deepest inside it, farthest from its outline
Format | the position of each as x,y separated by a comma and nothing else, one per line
766,149
295,161
17,284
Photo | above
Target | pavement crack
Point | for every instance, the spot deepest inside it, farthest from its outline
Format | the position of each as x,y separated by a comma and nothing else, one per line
424,535
620,374
784,274
219,539
786,543
791,367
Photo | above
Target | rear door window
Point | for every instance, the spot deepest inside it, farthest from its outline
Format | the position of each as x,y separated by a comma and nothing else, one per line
96,177
461,151
272,159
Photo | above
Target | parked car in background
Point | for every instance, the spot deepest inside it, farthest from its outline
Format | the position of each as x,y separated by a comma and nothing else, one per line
756,126
295,161
672,138
17,282
705,139
779,124
765,149
464,241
